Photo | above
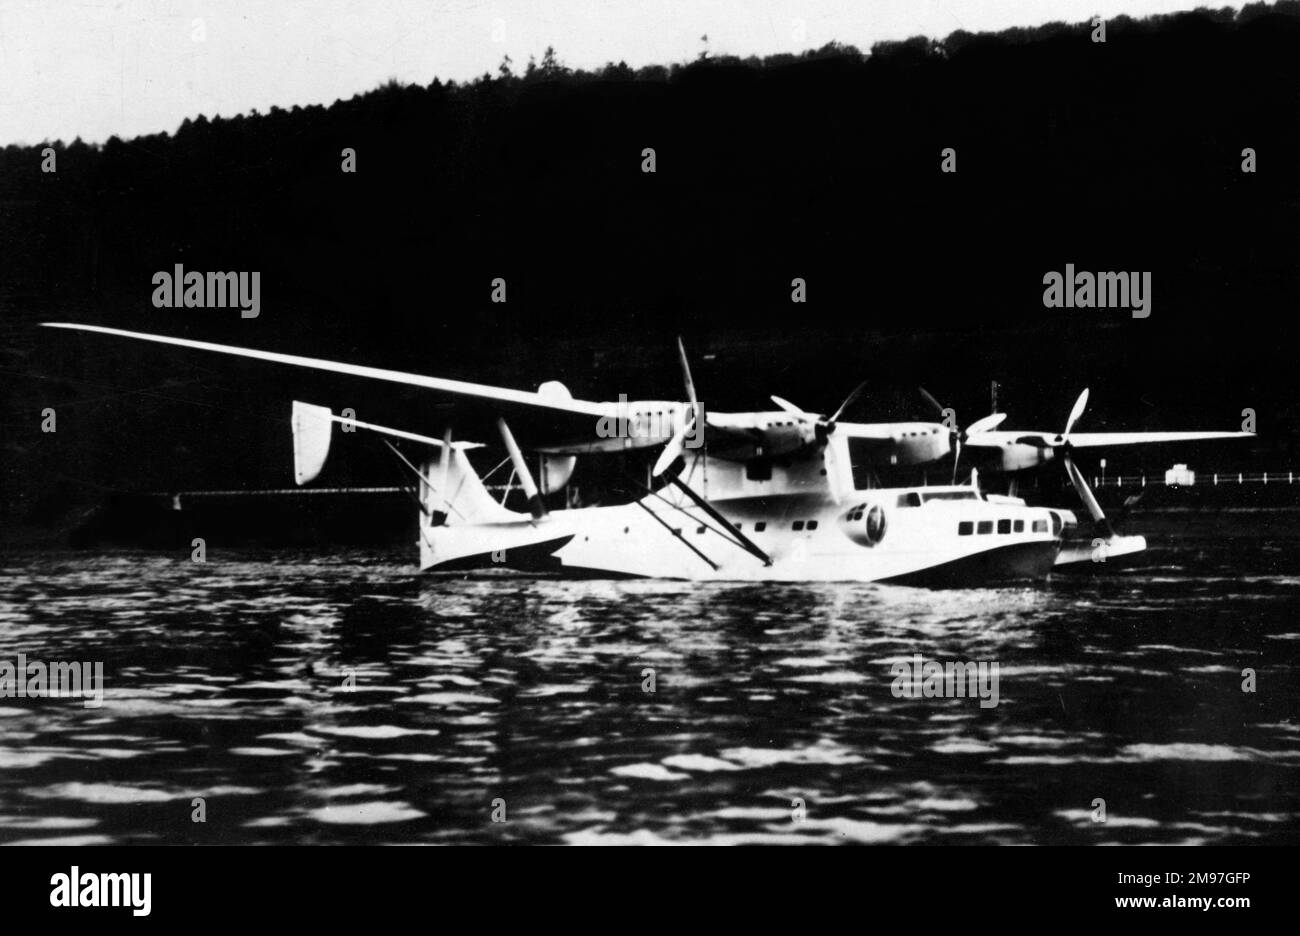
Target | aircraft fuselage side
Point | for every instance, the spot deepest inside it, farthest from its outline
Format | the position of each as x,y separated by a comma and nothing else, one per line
914,535
804,515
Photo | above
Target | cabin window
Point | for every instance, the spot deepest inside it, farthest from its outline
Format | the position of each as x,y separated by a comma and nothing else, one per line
798,525
758,470
812,525
1040,526
760,526
1018,526
910,499
965,528
1004,526
699,531
950,495
985,526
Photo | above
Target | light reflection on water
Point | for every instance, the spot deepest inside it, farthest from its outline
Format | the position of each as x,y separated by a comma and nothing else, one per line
226,681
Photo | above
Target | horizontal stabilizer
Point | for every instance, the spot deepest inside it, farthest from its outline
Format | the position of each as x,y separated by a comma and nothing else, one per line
312,426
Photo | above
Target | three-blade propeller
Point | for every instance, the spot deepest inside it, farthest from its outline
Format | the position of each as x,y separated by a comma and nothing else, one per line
1076,476
958,435
676,447
1062,445
823,427
1062,441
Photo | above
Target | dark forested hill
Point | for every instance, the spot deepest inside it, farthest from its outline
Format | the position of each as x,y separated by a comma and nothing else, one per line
1125,155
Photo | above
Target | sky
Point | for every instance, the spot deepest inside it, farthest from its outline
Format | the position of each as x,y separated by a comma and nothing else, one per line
98,68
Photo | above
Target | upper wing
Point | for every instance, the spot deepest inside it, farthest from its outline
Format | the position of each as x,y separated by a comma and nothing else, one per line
1003,437
561,417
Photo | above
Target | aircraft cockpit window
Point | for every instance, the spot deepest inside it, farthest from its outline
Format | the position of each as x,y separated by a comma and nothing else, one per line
910,499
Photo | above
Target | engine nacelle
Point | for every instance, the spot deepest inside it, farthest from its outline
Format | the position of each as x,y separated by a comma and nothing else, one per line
920,446
1018,457
902,443
780,439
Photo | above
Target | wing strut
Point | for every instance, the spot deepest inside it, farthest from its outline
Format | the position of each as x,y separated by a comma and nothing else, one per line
677,533
1086,495
749,545
521,468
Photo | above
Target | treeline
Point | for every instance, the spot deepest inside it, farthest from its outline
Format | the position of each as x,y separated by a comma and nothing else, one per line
824,167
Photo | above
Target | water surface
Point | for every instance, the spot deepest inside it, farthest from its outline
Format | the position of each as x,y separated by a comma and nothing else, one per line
344,698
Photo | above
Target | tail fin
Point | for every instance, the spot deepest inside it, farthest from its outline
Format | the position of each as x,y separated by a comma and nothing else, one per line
466,500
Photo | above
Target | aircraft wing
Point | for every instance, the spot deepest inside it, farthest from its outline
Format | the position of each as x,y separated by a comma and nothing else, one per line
562,418
1001,438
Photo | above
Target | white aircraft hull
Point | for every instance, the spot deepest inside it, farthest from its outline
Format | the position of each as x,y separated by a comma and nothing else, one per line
916,545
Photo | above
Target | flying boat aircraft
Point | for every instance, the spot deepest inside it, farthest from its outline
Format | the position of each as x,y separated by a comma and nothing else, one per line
759,496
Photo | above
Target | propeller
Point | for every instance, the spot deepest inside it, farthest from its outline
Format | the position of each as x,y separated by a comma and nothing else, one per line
1062,445
1076,476
1079,406
1059,444
958,435
676,447
823,426
1062,441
